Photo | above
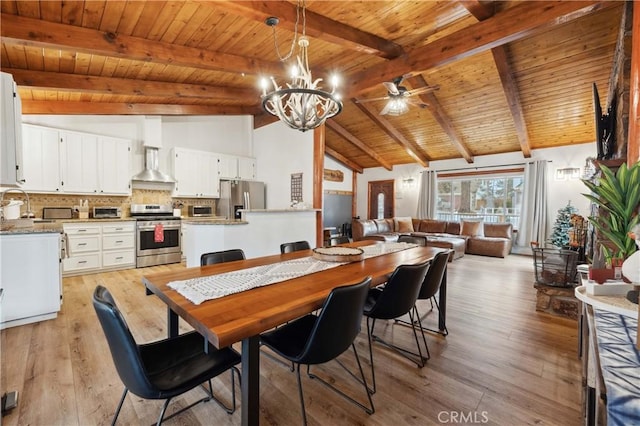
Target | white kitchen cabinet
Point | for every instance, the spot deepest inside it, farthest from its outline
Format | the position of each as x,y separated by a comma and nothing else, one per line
83,248
114,176
79,159
78,163
41,165
118,245
196,173
30,276
95,247
10,136
236,167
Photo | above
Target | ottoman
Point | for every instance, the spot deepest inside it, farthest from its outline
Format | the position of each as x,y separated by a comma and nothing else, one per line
456,244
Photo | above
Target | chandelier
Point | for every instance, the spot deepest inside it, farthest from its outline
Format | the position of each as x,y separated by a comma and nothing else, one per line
302,105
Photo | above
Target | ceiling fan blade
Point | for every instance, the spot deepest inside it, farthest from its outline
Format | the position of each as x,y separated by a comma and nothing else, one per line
386,109
359,101
391,88
422,90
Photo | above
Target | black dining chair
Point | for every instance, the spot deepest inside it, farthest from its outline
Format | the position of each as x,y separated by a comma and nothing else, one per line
430,287
413,239
221,256
397,298
316,339
165,368
294,246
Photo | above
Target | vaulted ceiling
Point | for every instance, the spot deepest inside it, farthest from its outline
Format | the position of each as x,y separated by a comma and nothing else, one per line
511,76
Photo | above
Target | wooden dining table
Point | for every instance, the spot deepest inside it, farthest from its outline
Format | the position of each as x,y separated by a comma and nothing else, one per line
241,317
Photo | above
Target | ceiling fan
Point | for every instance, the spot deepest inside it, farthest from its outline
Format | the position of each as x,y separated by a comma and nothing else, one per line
399,97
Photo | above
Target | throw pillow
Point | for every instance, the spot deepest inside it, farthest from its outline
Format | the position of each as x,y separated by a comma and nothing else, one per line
472,228
403,224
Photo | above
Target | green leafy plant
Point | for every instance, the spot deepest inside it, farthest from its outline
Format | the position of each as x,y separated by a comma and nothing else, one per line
619,195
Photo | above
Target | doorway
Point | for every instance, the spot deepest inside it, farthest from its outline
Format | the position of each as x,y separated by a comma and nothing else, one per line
381,199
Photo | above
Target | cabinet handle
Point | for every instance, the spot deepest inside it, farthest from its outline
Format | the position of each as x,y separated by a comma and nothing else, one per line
119,258
119,242
82,230
118,229
82,244
81,261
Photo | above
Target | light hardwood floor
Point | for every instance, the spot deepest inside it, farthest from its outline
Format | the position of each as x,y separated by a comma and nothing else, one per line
502,363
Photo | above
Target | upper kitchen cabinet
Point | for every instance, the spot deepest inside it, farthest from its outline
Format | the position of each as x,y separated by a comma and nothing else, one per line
11,167
79,157
72,162
41,162
235,167
114,174
196,173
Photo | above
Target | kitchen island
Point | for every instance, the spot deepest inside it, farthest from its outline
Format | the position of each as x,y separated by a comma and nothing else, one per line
258,233
30,272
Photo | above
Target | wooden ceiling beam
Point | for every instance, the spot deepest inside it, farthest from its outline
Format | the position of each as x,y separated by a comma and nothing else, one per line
441,118
123,86
412,148
35,32
509,85
333,125
344,160
512,93
318,26
513,24
108,108
262,119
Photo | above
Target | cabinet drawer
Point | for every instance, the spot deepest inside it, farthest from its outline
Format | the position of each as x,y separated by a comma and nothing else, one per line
78,263
116,228
116,241
82,229
83,244
114,258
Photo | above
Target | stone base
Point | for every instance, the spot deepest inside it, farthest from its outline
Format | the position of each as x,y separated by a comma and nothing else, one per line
559,301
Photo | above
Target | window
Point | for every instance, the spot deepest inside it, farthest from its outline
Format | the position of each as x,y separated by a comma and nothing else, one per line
380,206
489,198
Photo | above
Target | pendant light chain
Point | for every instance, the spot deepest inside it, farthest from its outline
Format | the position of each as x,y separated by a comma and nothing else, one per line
295,33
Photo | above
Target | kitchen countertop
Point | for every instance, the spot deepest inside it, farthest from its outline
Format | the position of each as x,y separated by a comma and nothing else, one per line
289,210
37,228
212,221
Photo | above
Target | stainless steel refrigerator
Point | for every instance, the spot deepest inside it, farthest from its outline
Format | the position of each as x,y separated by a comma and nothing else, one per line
240,194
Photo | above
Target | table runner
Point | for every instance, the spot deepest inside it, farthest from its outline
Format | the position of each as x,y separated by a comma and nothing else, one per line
198,290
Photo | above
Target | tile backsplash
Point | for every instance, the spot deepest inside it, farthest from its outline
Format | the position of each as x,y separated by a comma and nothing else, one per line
138,196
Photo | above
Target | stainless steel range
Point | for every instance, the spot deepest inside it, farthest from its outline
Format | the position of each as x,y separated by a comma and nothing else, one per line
157,234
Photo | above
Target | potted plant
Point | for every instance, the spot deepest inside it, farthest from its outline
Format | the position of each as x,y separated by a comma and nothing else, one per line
618,194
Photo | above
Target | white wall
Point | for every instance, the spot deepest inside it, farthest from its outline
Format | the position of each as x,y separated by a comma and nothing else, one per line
560,192
280,152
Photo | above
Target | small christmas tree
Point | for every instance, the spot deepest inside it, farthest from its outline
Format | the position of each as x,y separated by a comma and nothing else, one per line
560,235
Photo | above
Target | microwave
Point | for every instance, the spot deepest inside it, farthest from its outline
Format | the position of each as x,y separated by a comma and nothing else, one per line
106,212
200,211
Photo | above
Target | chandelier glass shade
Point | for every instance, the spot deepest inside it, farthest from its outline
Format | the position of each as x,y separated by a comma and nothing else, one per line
302,105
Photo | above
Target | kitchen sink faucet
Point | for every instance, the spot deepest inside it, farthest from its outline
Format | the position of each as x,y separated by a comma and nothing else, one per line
28,213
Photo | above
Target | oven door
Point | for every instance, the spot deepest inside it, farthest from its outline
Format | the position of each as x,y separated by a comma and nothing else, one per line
147,243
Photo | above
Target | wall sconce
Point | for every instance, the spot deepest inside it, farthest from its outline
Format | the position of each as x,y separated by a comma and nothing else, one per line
568,173
408,182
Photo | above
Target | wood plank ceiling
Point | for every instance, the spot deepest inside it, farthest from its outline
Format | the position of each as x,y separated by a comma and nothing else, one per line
512,76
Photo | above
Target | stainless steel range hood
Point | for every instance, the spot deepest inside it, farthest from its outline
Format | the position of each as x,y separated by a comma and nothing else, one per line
151,172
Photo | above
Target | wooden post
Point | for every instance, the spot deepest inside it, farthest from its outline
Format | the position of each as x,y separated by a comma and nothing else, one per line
633,144
318,175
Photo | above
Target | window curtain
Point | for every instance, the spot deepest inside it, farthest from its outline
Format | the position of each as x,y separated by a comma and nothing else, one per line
533,219
427,195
